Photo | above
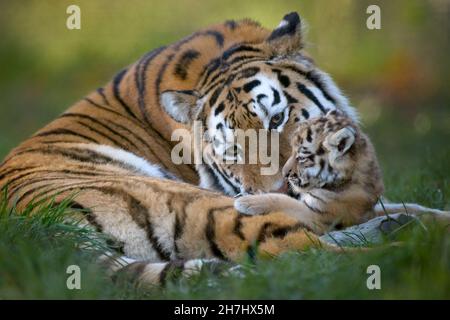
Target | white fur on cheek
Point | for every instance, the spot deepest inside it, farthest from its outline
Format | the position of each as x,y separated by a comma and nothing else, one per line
265,110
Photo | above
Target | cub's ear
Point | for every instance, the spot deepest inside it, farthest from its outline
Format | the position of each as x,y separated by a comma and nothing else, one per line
182,106
287,37
339,142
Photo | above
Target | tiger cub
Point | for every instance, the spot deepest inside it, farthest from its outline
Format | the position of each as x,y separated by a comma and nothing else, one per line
332,177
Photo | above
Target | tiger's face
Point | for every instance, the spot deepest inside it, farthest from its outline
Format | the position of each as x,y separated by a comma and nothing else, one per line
328,153
250,101
248,130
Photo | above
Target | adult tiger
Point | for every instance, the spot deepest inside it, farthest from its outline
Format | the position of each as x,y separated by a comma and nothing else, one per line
113,148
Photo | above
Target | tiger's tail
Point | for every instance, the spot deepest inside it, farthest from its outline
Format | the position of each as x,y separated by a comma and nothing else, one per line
147,274
382,208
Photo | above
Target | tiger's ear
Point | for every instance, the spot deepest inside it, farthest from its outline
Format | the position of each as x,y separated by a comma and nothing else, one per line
182,106
339,142
287,37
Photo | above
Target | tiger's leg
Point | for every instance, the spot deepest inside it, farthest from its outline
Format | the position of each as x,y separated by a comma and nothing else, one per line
204,229
408,208
160,221
233,235
140,214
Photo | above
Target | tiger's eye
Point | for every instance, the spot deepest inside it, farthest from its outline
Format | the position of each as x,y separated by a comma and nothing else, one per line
276,120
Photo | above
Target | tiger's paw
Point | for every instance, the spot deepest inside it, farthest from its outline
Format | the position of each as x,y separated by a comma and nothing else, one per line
214,265
251,205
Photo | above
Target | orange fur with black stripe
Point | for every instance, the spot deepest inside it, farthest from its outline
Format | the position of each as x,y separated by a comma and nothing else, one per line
113,148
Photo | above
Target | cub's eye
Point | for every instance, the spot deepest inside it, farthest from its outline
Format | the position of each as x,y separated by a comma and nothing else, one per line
276,120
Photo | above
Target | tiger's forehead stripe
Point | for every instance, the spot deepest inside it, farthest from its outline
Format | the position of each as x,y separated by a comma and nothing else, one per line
317,94
233,70
270,94
214,64
242,54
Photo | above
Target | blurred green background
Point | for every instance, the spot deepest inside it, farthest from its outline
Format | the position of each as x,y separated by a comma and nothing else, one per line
397,77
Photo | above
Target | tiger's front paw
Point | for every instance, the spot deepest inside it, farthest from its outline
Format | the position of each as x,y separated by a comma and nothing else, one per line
251,205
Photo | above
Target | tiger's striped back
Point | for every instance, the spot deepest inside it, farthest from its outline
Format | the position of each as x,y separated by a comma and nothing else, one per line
126,113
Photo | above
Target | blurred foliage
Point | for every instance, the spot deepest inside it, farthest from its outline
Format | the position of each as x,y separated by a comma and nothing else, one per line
397,77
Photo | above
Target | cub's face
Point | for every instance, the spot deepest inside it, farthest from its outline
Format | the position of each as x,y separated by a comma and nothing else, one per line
325,154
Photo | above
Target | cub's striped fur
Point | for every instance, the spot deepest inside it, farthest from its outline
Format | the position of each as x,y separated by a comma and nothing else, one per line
333,177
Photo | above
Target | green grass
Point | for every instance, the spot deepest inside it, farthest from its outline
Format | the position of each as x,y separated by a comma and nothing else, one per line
35,250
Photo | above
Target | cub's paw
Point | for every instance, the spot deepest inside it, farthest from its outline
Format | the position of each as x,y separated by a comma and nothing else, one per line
251,205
